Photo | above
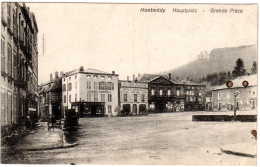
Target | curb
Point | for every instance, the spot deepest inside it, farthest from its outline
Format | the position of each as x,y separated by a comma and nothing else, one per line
238,153
47,148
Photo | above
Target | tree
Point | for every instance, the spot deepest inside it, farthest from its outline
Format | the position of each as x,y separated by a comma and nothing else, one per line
239,69
254,68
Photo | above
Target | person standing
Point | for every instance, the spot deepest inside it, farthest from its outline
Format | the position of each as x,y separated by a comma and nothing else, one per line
48,122
53,121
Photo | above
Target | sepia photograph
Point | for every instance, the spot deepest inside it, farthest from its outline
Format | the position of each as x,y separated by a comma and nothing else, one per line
129,83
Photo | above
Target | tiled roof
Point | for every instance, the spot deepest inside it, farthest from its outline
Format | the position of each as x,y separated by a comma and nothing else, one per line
237,83
89,70
149,77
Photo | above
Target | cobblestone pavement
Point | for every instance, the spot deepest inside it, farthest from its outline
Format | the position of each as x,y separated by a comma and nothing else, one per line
169,138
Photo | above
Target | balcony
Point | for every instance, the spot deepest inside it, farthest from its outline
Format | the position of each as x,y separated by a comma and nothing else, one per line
3,21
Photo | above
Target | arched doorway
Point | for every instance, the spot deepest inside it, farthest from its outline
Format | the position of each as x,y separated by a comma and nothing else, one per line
134,109
126,109
142,108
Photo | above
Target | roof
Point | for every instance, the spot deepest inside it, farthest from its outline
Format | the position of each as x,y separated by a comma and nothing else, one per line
149,77
89,70
237,83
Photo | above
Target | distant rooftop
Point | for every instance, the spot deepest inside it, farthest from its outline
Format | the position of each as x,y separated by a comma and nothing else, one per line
237,83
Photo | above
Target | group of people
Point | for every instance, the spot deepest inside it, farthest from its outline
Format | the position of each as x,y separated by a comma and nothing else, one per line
51,120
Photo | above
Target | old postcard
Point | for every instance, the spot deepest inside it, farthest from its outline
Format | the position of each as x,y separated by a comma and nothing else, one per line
129,84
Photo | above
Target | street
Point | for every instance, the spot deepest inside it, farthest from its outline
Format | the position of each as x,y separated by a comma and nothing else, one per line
168,138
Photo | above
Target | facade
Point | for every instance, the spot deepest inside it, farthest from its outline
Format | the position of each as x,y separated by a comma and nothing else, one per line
223,97
165,96
133,97
50,97
19,63
90,92
195,97
168,95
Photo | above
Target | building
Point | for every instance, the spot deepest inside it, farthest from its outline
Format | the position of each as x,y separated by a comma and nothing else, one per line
163,94
50,97
133,97
90,92
195,97
223,97
19,63
168,95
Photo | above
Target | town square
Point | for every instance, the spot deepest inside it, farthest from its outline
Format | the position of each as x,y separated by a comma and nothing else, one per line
129,84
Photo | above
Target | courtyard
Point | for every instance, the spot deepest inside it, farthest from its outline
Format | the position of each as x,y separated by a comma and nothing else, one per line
166,138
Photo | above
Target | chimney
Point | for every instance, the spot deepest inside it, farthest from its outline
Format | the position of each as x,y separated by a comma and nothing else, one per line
51,77
113,72
170,76
61,74
127,78
81,69
133,77
56,75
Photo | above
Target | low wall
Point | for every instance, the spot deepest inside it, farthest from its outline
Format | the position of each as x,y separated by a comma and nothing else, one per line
242,118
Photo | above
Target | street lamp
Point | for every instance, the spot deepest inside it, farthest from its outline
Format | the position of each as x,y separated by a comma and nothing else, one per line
229,84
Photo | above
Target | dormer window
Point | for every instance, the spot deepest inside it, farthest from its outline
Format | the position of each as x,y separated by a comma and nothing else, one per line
102,77
88,76
109,78
95,77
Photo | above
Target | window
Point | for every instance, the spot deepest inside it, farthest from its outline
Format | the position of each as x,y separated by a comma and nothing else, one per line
15,65
102,77
88,76
169,92
152,91
218,96
75,97
161,92
69,78
88,84
70,98
200,94
76,85
3,54
9,60
109,97
64,87
109,109
143,98
178,91
89,97
69,87
95,97
102,97
109,85
96,85
125,97
95,77
75,76
112,86
135,97
64,98
101,85
109,78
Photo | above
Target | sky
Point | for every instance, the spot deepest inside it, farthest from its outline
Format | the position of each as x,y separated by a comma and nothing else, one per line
120,38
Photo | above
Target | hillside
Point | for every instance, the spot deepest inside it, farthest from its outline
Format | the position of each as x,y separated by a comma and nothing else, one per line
221,59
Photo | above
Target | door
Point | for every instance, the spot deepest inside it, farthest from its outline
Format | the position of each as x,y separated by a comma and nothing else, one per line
134,109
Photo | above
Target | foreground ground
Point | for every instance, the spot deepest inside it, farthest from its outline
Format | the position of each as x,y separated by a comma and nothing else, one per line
170,138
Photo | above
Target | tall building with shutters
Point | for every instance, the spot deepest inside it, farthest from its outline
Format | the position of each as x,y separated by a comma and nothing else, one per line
19,63
90,92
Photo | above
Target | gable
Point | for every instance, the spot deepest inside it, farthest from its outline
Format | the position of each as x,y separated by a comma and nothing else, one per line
161,80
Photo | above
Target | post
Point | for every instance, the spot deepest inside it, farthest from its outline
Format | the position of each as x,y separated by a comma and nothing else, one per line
235,107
